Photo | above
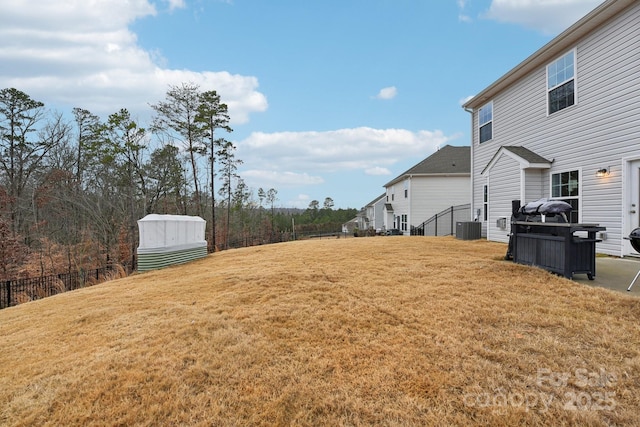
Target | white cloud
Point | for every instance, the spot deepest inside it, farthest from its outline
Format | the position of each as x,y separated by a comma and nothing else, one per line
548,16
81,53
176,4
377,170
387,93
279,179
301,201
285,154
462,15
343,149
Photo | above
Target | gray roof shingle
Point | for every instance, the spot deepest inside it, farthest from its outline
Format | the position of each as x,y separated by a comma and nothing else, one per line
526,154
447,160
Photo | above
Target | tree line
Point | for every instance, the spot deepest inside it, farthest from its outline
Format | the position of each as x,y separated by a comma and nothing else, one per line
72,188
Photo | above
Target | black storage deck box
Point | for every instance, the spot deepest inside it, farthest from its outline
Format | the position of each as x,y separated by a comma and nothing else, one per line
555,247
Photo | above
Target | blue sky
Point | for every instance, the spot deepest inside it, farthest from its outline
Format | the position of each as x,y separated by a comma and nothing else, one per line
327,98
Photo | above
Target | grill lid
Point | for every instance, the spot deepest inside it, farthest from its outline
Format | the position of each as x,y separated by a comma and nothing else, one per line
634,238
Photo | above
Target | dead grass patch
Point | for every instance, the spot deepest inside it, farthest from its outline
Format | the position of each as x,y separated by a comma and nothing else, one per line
392,331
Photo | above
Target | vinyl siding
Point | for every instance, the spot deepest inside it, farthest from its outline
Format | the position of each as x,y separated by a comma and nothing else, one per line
534,184
427,195
430,195
375,214
600,130
503,188
401,204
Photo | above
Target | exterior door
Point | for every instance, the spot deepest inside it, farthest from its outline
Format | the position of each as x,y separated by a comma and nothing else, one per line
632,207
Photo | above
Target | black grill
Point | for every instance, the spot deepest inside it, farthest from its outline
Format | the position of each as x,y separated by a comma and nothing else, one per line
634,239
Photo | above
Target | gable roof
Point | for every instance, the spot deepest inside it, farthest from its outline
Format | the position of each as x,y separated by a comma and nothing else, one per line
527,158
376,200
559,45
448,160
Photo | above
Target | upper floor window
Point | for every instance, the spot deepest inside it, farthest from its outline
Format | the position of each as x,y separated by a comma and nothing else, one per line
485,122
561,85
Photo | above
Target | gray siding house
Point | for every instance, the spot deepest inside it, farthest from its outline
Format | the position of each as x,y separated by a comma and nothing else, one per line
440,181
565,124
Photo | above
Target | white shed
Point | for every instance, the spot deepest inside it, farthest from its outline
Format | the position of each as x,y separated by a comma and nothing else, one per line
170,239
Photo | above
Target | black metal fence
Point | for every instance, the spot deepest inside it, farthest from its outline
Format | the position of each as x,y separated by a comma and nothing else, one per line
18,291
443,223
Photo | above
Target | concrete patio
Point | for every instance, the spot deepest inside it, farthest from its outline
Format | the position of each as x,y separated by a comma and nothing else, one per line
614,273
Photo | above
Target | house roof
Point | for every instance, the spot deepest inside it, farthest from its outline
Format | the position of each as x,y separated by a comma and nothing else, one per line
527,158
376,200
448,160
559,45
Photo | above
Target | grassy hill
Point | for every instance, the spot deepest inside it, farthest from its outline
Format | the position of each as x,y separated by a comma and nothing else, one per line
385,330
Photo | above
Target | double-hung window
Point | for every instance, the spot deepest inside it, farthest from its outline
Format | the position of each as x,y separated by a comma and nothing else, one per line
561,82
565,186
403,222
485,122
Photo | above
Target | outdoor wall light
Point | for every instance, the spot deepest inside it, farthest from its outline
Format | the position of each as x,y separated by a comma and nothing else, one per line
602,172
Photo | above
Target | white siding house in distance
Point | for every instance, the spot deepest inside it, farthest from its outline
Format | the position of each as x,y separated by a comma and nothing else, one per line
438,182
565,124
369,220
374,213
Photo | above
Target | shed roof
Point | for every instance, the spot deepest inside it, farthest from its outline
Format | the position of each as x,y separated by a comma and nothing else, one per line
171,218
527,158
526,154
449,160
563,42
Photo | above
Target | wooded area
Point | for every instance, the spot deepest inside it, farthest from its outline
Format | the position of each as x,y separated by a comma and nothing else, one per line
72,187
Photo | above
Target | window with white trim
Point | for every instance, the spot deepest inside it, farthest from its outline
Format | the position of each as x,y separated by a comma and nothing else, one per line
403,222
561,85
485,202
565,186
485,122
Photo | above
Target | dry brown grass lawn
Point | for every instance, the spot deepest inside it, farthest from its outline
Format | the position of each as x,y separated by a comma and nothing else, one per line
385,330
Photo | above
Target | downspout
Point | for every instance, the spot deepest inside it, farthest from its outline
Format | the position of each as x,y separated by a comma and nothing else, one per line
410,205
471,174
